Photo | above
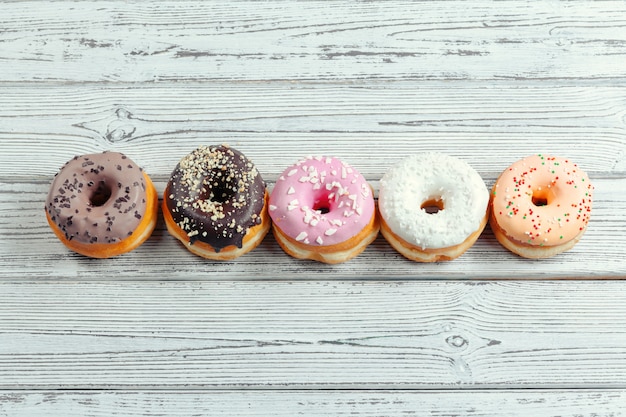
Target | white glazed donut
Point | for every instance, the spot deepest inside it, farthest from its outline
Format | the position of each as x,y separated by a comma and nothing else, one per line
433,207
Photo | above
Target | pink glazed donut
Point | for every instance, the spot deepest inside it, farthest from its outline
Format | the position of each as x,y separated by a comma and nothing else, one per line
323,209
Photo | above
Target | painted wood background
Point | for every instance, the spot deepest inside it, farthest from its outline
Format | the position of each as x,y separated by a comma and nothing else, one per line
161,332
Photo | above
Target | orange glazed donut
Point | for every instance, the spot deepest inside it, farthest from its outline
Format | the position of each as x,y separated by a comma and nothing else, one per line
540,206
215,203
102,205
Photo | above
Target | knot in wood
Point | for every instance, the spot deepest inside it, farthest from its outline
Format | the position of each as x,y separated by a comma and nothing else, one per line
121,128
457,341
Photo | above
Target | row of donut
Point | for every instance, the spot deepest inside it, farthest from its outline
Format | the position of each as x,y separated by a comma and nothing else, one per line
431,206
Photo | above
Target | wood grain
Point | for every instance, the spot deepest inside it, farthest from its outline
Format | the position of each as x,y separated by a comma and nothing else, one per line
371,125
308,334
249,403
117,41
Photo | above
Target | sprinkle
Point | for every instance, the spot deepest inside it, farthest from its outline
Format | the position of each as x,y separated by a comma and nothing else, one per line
272,207
292,172
330,232
291,190
301,236
319,240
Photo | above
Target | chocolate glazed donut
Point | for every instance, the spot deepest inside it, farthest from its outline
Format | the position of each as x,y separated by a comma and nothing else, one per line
102,205
215,203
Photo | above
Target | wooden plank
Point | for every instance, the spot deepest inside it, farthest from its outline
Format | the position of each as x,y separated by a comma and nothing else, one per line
27,240
540,403
93,334
117,41
371,125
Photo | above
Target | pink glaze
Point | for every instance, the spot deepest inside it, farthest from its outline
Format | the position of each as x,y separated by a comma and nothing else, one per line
561,188
306,190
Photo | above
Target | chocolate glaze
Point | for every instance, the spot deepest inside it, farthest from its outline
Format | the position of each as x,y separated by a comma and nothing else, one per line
98,198
215,194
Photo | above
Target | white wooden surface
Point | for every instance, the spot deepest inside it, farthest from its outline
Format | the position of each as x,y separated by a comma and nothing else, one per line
161,332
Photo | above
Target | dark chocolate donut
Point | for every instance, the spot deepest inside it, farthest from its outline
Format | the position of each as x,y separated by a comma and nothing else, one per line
215,195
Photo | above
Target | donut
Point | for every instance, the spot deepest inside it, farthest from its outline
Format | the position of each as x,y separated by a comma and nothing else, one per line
540,206
323,209
215,203
102,205
433,207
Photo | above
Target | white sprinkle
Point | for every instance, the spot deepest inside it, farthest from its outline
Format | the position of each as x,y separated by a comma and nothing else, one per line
293,204
344,174
272,207
353,198
319,240
328,161
301,236
291,190
292,172
336,222
330,232
304,179
314,222
359,211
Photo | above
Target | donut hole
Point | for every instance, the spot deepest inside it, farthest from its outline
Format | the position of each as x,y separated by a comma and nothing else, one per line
101,195
322,205
540,201
541,197
433,205
221,193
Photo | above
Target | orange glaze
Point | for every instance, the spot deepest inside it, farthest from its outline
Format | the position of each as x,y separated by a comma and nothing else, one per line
542,200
